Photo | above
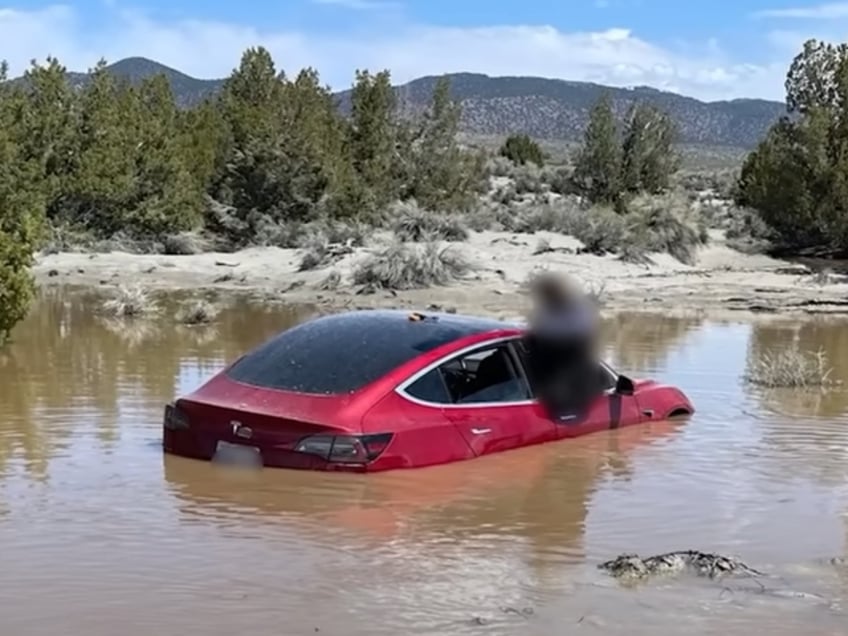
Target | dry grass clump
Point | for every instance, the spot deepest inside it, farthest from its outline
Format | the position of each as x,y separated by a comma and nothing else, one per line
411,266
791,367
197,312
182,244
325,245
529,179
352,233
331,281
129,302
498,166
600,229
411,223
550,216
315,254
665,223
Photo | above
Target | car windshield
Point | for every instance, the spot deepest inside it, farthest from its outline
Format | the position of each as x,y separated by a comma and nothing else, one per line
344,352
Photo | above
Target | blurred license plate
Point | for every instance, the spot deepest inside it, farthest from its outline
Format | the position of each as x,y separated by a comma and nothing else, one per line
237,454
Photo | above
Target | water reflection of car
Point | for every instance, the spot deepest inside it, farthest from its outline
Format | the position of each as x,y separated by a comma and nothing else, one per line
545,489
376,390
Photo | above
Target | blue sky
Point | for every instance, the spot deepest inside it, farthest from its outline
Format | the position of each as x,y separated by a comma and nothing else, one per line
710,50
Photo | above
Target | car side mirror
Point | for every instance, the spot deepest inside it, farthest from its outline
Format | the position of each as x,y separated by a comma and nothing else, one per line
624,385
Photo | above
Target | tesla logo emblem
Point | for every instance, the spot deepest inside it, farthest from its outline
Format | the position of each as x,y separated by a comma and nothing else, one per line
240,430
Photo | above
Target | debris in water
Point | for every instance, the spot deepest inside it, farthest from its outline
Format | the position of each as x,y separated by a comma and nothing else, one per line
630,566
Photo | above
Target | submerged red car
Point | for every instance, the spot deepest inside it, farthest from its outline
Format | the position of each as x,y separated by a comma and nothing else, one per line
375,390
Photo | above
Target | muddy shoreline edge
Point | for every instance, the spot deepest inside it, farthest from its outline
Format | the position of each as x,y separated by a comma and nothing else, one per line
721,281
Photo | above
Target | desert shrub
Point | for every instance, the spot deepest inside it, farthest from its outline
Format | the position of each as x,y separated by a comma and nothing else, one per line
319,251
182,244
64,237
17,288
485,216
505,194
521,149
600,229
746,231
722,183
559,180
667,224
129,302
411,266
350,233
411,223
197,312
314,254
528,180
499,166
543,218
331,281
790,367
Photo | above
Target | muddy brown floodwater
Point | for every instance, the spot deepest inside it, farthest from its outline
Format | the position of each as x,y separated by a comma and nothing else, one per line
102,535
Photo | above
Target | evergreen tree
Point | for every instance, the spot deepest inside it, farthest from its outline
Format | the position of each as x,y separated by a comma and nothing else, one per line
372,134
441,175
797,178
521,149
22,212
649,158
598,164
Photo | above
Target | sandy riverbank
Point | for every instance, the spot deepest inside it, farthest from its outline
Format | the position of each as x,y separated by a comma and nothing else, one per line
721,278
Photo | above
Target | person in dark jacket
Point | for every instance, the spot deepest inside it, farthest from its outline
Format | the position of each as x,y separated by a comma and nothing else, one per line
562,346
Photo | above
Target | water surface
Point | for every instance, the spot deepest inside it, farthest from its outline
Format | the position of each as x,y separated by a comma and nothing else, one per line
102,534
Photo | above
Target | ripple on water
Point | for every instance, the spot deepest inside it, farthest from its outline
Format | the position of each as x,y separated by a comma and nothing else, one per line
99,529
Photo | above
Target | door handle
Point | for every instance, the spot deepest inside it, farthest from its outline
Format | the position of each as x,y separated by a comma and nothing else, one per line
481,431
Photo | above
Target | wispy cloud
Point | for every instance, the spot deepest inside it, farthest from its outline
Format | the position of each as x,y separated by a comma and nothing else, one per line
360,5
615,56
829,11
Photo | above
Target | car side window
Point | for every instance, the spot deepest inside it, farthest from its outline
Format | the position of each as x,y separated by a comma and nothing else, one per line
430,387
487,375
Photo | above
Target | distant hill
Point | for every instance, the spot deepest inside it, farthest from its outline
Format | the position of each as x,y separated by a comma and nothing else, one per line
543,108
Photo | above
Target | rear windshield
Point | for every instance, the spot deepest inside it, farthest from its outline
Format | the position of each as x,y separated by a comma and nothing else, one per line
344,352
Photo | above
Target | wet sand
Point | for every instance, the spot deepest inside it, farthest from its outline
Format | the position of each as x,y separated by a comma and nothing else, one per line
720,279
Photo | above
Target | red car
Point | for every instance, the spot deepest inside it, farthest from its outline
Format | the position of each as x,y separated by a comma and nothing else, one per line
376,390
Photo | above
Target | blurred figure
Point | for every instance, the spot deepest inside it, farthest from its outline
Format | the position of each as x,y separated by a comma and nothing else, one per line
562,345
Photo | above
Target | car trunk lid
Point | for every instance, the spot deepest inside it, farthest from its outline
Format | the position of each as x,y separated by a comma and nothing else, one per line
241,413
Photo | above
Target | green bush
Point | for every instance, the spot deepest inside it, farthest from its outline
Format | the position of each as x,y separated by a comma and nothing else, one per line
22,214
797,177
266,155
521,149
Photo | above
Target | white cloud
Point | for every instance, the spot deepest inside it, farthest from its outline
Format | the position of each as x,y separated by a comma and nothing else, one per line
829,11
204,48
360,5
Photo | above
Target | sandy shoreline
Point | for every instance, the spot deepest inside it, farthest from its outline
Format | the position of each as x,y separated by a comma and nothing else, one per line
722,279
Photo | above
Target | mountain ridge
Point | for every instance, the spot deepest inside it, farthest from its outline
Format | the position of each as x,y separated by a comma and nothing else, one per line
545,108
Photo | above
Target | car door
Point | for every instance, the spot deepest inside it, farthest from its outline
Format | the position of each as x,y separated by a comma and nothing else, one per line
491,401
608,410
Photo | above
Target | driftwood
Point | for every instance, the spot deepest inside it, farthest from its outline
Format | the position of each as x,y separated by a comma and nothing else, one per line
632,566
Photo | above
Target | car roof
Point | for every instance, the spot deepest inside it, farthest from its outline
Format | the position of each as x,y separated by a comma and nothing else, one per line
342,352
465,323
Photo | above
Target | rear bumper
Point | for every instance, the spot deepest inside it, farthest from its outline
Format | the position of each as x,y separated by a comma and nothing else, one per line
187,443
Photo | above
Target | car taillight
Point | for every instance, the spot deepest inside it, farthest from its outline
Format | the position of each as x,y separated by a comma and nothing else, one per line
349,449
174,420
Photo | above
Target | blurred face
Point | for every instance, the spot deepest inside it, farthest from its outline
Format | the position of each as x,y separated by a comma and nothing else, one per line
553,290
